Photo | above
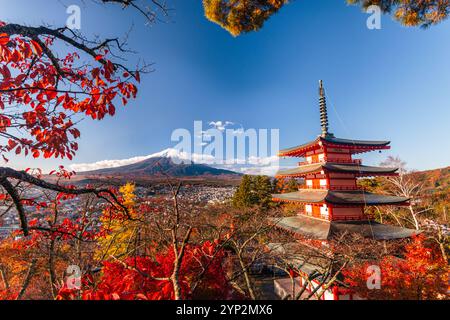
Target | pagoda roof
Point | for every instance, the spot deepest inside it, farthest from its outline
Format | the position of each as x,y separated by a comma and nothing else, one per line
357,146
313,228
336,167
357,197
294,253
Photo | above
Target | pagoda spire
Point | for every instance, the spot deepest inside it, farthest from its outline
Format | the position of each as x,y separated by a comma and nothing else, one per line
323,110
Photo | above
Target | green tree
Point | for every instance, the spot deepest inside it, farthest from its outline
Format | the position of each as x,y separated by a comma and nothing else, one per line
263,190
244,197
275,188
253,191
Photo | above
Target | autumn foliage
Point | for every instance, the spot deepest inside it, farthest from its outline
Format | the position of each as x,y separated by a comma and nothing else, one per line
421,274
42,95
411,12
243,16
147,278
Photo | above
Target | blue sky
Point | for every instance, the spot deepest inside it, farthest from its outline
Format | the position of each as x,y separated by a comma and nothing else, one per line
391,83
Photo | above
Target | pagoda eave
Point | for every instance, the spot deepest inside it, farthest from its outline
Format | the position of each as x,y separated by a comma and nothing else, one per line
322,168
297,153
275,199
313,228
344,198
348,205
354,146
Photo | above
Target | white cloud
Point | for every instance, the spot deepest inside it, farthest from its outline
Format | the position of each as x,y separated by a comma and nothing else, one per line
221,125
105,164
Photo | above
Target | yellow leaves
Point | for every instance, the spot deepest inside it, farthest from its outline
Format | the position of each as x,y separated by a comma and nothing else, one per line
121,232
411,13
407,17
240,16
128,194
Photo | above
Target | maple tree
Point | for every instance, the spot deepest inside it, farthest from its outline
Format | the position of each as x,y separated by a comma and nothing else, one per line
149,278
41,95
45,91
30,266
136,265
419,274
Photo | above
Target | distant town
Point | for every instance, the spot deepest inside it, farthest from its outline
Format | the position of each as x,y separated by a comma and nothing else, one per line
204,194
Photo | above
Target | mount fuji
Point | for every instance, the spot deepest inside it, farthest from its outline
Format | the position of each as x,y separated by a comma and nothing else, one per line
169,162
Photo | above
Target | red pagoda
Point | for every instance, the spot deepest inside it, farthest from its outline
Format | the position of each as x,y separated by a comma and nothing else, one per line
333,202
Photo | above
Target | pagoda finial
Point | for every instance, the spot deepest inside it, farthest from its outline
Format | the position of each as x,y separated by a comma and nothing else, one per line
323,110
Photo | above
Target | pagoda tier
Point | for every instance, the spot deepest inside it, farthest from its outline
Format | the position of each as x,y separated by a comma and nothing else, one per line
333,145
312,272
339,168
338,205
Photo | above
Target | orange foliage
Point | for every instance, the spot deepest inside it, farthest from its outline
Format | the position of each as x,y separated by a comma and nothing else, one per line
422,274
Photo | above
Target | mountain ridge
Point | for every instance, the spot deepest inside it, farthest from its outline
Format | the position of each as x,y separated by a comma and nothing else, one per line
161,165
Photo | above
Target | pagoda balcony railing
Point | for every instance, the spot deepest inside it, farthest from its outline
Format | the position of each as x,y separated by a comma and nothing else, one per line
345,188
305,163
314,188
353,218
353,161
333,188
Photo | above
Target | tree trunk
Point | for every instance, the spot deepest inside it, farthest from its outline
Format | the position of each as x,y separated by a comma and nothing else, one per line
51,268
174,279
26,282
246,277
4,278
413,214
441,240
176,288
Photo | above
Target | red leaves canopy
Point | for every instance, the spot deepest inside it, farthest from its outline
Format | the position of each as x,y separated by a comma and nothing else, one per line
40,95
145,278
